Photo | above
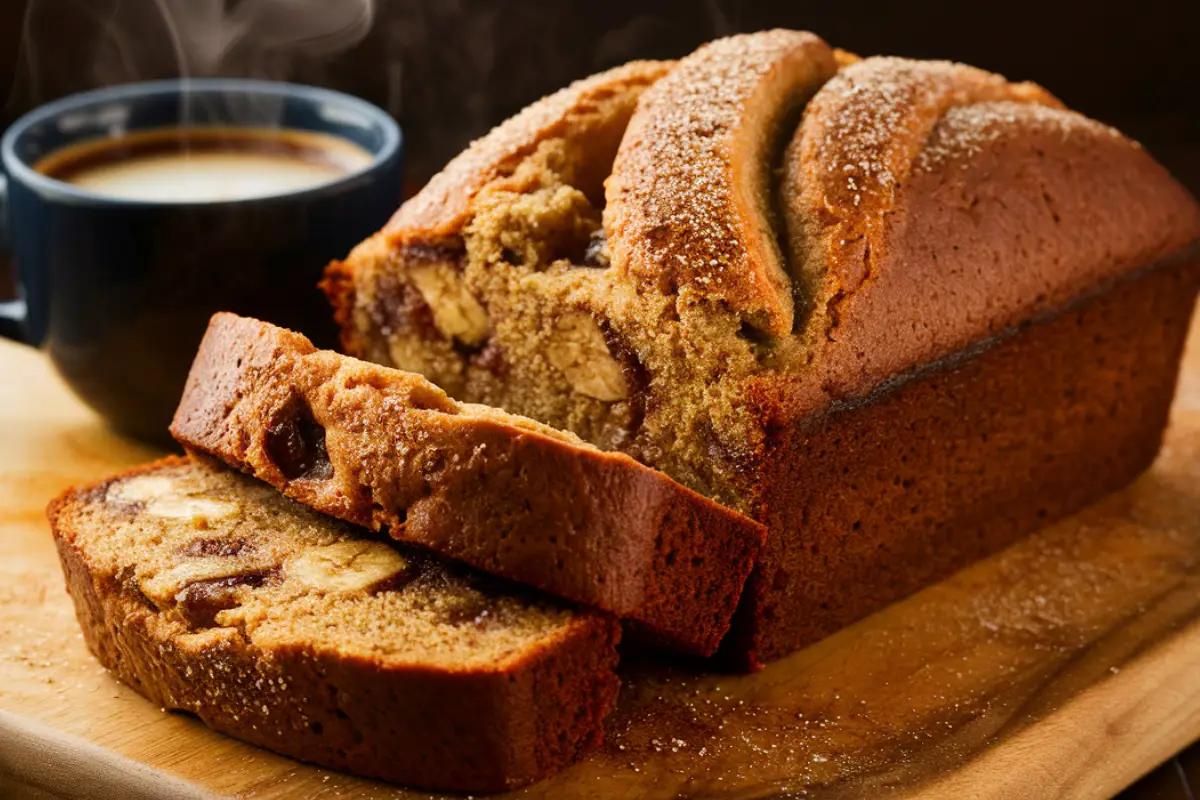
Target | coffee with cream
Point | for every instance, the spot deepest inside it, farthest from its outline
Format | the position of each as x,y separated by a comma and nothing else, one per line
199,164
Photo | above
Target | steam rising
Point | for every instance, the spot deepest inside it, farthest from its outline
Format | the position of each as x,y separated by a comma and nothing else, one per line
260,36
447,69
130,40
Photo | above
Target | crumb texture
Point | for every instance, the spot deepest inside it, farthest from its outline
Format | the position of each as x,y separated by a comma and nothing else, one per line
210,592
211,548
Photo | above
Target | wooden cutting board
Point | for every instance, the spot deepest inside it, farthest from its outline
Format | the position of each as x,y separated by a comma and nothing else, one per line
1067,666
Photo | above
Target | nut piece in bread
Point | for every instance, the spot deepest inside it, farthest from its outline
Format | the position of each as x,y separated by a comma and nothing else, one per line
582,354
456,313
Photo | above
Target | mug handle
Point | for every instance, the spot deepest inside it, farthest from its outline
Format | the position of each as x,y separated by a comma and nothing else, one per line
12,312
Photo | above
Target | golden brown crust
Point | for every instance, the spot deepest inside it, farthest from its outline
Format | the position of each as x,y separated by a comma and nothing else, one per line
872,500
338,286
454,729
689,200
585,107
851,156
972,215
388,450
845,58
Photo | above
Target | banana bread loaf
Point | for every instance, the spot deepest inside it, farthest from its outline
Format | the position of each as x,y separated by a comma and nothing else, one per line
207,591
388,450
902,312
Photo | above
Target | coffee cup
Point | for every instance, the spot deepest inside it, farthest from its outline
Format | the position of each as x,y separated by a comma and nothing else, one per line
134,213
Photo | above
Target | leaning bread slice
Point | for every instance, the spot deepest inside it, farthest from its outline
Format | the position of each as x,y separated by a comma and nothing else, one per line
389,450
209,592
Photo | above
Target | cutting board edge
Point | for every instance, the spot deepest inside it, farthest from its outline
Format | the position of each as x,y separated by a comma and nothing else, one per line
1129,723
65,765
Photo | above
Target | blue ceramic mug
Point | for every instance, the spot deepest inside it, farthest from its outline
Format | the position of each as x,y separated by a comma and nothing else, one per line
118,290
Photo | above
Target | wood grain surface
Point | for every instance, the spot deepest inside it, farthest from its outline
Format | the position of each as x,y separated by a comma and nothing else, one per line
1067,666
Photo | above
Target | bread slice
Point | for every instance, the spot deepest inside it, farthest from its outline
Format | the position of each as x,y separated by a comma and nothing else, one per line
207,591
389,450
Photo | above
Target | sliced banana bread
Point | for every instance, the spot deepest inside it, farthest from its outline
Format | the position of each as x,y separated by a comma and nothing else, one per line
209,592
900,311
389,450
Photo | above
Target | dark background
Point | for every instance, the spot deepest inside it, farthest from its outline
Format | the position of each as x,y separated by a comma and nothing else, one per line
451,69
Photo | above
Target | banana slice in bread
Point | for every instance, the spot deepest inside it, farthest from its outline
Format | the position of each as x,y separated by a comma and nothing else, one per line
209,592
